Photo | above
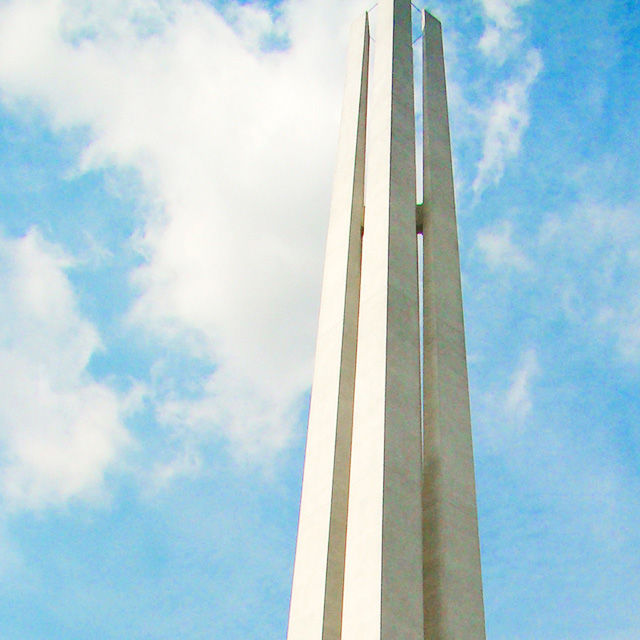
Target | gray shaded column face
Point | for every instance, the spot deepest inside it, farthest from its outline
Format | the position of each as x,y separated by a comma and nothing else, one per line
316,599
452,577
388,537
383,572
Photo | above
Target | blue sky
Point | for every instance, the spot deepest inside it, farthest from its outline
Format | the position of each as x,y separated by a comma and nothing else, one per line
164,190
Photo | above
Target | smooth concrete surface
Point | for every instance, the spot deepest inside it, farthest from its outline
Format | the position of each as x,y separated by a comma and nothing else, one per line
453,603
388,543
316,599
383,571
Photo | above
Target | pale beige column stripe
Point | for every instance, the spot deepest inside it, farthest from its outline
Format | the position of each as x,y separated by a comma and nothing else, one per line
452,577
316,599
383,570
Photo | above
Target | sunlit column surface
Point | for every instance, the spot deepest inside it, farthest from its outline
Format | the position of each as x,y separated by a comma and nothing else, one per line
383,573
316,599
388,536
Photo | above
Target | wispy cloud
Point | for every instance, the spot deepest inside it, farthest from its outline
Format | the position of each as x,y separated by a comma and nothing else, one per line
508,408
597,269
586,262
502,35
499,249
185,463
516,66
519,400
506,120
561,462
61,431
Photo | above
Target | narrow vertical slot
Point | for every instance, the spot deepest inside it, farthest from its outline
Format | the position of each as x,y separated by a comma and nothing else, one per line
420,240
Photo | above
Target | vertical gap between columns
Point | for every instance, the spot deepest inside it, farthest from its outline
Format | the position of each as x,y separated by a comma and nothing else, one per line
419,146
420,240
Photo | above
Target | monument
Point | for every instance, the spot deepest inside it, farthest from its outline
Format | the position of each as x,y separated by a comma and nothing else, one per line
388,533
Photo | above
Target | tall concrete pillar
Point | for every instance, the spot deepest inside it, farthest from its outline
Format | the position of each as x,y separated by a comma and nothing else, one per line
452,579
388,534
316,599
383,572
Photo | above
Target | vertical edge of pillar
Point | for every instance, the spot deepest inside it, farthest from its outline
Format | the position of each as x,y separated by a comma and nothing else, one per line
316,596
383,572
453,600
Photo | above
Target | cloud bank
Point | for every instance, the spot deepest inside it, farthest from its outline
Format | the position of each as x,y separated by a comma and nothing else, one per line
60,430
233,138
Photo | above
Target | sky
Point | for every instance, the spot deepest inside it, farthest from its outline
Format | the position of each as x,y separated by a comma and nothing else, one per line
165,178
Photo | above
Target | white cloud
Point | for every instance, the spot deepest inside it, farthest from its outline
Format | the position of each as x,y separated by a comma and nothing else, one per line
502,35
499,249
506,410
600,243
186,462
235,149
503,12
629,331
518,400
60,431
507,118
589,278
586,262
257,27
622,319
567,459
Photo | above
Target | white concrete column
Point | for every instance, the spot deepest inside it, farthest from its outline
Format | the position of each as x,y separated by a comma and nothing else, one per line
452,577
383,570
316,599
